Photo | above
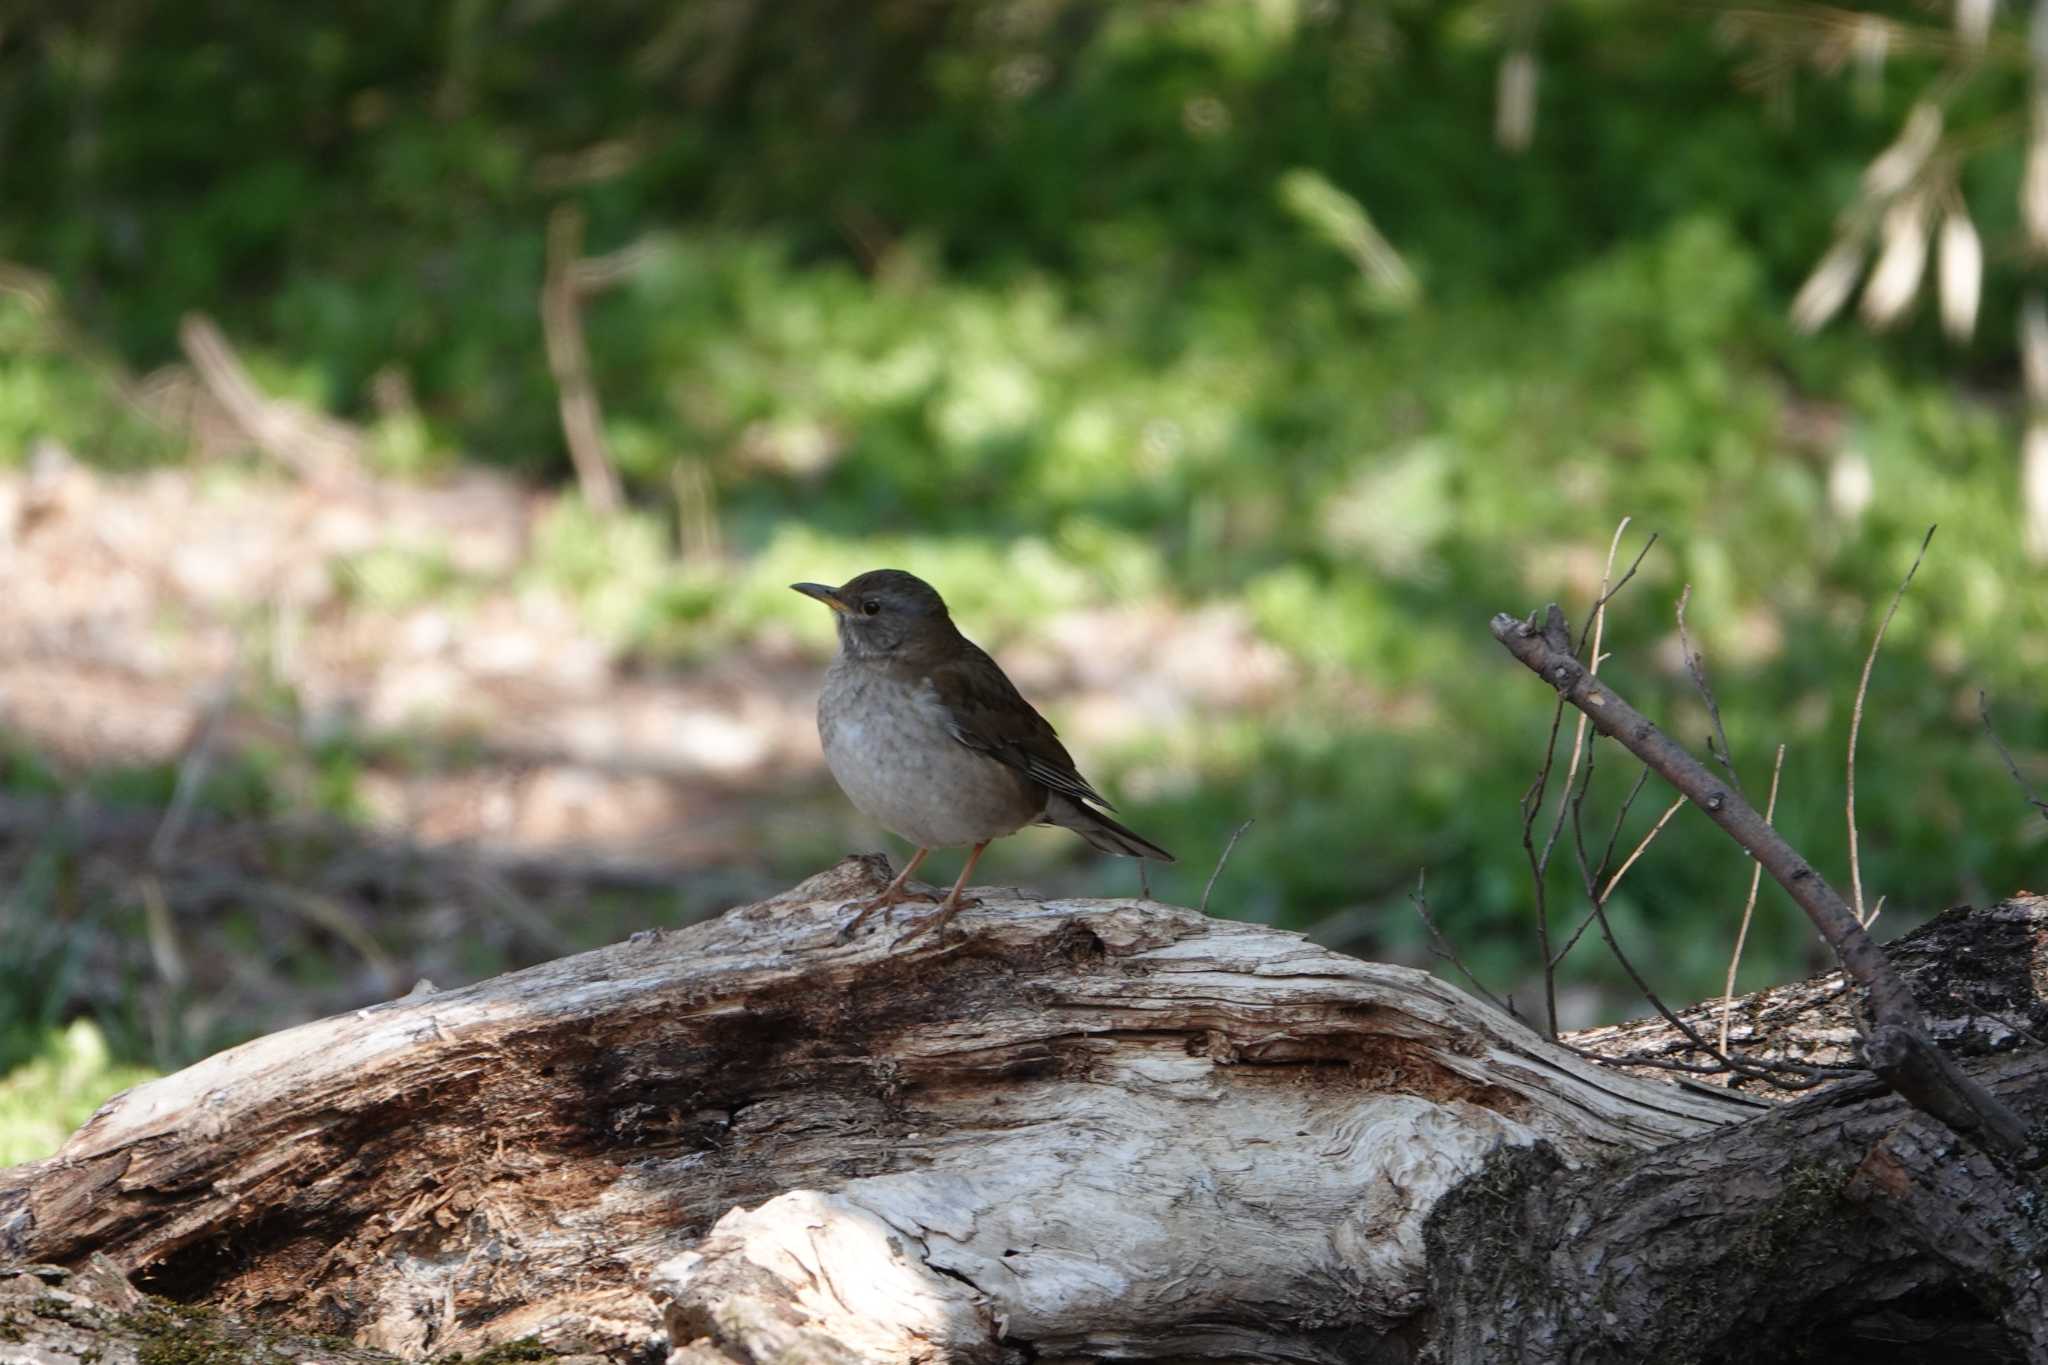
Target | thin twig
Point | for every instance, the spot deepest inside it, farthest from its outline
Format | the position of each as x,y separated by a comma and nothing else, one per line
1608,891
1221,859
1594,894
1441,946
1611,593
162,930
1856,725
1641,983
158,918
593,274
1620,819
1780,1074
1539,863
1898,1048
2027,791
1575,806
561,317
310,444
1532,799
1595,625
1756,876
1696,665
1615,880
192,771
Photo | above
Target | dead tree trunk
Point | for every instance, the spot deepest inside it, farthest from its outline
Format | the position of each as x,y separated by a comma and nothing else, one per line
1092,1129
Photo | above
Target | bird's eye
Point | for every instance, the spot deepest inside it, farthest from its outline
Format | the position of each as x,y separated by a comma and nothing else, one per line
871,606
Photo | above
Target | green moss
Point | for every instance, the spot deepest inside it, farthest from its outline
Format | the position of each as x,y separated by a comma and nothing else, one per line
1810,1190
504,1353
169,1333
188,1334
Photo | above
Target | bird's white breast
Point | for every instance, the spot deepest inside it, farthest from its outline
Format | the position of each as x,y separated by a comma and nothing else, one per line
888,746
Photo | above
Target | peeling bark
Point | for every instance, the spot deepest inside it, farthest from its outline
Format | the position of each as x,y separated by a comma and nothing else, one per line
1088,1129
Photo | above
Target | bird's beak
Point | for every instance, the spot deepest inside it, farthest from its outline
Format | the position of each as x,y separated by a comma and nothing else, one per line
829,596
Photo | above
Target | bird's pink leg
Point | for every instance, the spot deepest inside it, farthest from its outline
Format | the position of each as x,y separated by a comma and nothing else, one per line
949,907
891,894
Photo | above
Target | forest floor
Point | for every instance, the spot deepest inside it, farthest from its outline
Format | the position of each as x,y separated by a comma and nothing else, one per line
274,749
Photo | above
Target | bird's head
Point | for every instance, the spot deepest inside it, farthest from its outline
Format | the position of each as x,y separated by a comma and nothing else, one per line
883,611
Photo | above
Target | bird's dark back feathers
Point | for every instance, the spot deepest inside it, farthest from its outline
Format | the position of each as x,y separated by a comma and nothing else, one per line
988,713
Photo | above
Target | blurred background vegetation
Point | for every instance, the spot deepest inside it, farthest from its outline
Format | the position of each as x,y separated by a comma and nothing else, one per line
1226,363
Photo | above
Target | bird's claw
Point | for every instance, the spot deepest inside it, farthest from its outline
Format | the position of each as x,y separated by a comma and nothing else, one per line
882,902
939,922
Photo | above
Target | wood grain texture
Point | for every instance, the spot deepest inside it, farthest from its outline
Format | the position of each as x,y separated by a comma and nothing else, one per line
1095,1126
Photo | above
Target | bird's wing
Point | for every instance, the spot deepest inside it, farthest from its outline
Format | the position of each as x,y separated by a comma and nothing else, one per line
985,712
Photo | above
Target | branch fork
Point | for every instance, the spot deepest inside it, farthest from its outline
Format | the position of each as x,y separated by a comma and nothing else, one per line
1897,1047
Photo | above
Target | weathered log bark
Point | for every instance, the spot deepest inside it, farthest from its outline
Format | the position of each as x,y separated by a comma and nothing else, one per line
1978,975
93,1316
1846,1227
1089,1129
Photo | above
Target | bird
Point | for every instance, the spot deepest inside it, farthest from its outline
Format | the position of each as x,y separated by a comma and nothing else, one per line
928,738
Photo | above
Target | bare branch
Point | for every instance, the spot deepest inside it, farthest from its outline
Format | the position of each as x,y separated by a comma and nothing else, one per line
1221,859
1620,822
192,770
311,444
594,274
1609,594
1641,983
193,767
1756,876
1696,665
1532,799
162,931
1856,725
1984,713
1441,946
1615,880
1539,863
1780,1074
1898,1048
1596,625
561,319
1598,895
1630,861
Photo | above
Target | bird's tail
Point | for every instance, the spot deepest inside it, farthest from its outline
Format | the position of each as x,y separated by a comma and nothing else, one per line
1101,831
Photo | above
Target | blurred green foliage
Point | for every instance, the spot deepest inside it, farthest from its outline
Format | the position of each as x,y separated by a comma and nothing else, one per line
48,1093
1066,303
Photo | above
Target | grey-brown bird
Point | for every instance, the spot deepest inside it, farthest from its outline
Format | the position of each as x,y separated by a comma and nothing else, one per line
927,737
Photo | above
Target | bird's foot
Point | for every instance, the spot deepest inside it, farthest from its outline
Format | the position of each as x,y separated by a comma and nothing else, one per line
936,922
889,896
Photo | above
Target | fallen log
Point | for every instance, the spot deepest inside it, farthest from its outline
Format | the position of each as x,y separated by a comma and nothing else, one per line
1086,1129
